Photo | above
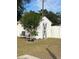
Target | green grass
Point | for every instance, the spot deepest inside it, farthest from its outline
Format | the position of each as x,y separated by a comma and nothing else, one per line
38,47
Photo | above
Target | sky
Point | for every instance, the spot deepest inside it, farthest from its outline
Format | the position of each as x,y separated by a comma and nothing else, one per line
50,5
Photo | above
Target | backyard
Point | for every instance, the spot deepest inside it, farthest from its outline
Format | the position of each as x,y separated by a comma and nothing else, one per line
44,49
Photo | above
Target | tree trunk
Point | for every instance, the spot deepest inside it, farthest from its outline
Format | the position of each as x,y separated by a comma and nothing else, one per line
30,37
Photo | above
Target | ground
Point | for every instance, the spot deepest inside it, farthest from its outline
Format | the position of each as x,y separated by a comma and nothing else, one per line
44,49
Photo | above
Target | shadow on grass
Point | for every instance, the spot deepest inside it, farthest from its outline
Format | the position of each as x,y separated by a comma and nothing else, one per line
51,54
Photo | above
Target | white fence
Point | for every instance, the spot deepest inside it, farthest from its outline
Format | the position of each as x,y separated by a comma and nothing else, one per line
55,32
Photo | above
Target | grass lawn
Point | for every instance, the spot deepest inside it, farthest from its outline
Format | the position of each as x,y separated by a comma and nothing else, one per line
44,49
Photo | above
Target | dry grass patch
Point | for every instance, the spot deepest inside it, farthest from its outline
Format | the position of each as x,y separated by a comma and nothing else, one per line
38,48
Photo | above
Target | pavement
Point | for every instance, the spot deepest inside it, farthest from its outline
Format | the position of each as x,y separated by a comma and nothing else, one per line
27,57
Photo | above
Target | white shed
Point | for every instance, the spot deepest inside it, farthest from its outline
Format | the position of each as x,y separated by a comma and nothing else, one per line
20,29
44,28
21,32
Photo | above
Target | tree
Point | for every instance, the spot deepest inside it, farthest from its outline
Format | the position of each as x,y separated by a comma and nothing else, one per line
20,8
30,22
59,17
45,12
55,18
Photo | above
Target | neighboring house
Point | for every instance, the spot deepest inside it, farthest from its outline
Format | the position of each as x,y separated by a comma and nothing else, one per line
21,32
45,30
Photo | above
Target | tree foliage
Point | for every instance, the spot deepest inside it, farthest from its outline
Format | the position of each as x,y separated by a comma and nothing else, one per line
55,18
20,7
30,22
